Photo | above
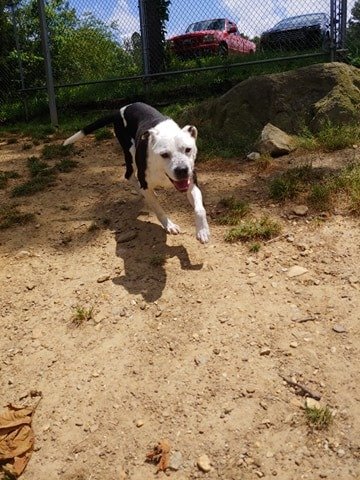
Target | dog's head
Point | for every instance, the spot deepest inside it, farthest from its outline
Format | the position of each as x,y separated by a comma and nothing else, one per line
174,151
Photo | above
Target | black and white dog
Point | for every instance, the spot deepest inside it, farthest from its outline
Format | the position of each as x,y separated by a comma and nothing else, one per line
157,153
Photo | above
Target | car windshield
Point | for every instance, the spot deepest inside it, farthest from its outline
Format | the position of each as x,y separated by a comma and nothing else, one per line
300,21
218,24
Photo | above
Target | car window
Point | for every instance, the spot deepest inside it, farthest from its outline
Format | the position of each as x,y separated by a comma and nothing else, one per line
217,24
301,21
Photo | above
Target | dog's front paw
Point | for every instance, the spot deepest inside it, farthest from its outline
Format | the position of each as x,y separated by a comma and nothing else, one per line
203,235
171,227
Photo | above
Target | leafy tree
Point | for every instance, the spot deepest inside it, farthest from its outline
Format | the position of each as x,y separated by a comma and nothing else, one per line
7,43
353,35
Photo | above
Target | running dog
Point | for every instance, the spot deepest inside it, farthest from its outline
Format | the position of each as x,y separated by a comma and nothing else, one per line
157,153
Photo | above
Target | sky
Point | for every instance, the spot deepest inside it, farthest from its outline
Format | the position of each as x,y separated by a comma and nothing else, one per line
251,16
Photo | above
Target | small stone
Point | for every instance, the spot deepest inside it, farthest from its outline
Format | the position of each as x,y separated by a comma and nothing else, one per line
265,351
296,271
201,359
139,423
300,210
103,278
293,344
216,351
253,156
339,328
203,463
340,452
311,403
176,461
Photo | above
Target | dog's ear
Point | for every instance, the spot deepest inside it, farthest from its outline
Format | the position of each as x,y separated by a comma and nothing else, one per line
192,130
146,135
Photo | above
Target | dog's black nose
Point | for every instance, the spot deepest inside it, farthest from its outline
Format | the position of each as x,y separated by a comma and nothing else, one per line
181,172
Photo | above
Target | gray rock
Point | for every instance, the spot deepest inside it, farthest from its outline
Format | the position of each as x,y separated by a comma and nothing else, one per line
296,271
274,141
300,210
339,328
176,461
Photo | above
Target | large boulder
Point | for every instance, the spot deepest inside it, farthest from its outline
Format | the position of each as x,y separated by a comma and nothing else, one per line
308,97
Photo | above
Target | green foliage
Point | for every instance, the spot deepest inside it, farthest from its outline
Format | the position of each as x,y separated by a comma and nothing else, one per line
81,315
353,35
4,177
235,210
253,229
290,183
103,134
57,151
10,216
319,417
36,184
37,167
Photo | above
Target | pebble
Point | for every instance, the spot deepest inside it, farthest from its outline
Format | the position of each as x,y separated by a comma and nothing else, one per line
300,210
139,423
176,461
293,344
265,351
203,463
253,156
103,278
296,271
339,328
311,403
340,452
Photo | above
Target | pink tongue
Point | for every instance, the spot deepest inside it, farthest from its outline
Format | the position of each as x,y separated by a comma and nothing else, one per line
182,185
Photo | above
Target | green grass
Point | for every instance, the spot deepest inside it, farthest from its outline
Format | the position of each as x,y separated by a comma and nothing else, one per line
56,151
10,217
253,229
235,210
255,247
5,176
319,417
103,134
37,167
330,137
291,182
66,165
320,189
36,184
81,315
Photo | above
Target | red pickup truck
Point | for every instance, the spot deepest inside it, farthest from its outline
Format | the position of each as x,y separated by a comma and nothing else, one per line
218,36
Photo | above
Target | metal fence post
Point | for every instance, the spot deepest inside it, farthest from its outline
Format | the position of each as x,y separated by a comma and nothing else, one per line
47,60
332,29
343,21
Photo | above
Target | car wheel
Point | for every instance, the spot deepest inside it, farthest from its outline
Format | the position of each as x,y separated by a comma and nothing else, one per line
223,50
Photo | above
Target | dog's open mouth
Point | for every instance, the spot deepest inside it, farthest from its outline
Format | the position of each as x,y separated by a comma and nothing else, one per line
181,185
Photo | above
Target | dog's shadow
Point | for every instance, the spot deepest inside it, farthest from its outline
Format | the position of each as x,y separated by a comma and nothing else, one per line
145,257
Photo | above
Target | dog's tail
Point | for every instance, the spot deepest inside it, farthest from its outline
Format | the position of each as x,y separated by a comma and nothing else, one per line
102,122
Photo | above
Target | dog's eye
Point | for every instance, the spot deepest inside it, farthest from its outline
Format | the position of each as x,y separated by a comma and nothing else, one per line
165,155
187,150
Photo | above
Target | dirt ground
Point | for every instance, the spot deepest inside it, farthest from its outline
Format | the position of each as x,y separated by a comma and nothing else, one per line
193,350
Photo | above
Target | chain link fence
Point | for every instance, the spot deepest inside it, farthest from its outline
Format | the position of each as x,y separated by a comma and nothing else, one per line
87,52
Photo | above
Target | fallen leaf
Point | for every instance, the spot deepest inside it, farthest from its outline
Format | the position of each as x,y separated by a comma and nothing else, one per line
16,439
160,454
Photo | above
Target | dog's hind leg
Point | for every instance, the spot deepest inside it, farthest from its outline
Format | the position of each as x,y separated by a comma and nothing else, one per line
153,203
195,198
